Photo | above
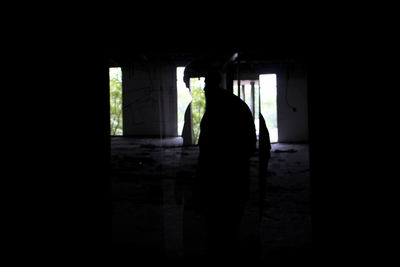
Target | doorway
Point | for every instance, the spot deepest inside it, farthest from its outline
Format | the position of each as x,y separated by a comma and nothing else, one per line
268,106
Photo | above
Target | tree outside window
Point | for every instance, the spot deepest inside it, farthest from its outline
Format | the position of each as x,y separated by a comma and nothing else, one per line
116,101
198,105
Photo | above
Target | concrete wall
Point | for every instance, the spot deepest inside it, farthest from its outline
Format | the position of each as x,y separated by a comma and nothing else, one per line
149,99
292,90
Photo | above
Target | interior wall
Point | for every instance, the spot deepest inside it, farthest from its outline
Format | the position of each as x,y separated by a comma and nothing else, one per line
292,93
149,99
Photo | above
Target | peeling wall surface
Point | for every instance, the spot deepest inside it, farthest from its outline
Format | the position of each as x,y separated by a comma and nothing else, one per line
149,99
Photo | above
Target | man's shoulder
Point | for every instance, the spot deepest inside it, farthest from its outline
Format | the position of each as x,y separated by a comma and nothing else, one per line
232,99
230,95
238,101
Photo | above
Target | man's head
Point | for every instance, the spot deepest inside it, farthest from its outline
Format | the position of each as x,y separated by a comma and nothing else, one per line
194,69
203,68
213,77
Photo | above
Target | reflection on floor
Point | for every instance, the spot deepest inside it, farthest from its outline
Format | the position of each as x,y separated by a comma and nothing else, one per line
149,185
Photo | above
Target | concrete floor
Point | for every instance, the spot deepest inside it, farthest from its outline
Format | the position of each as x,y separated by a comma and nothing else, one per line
149,192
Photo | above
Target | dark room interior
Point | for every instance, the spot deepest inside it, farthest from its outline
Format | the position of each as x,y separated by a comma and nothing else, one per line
152,163
201,136
131,196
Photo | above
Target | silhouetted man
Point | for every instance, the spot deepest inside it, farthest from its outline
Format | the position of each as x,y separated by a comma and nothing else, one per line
227,140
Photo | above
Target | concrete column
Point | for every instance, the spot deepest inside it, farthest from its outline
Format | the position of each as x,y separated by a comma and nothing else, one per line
253,107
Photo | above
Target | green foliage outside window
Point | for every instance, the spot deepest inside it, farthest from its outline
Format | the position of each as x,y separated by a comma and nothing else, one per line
116,101
198,105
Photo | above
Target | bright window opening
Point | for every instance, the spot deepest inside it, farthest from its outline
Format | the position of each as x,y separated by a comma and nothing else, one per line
268,105
115,75
198,105
194,96
184,98
260,96
250,93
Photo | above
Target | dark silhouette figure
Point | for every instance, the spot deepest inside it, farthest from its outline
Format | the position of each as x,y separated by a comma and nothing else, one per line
187,131
227,140
264,157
